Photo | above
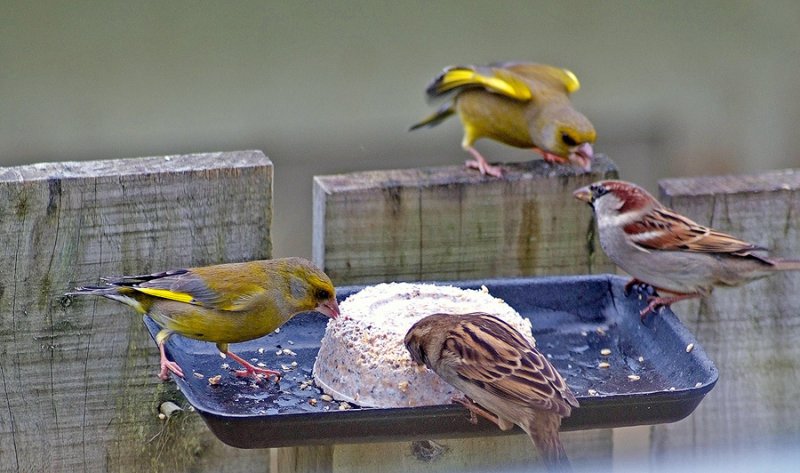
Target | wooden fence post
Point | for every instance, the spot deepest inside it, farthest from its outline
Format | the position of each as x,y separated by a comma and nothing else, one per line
79,384
449,223
750,332
443,224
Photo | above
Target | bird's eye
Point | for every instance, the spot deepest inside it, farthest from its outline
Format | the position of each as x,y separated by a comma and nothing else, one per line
322,294
598,190
568,139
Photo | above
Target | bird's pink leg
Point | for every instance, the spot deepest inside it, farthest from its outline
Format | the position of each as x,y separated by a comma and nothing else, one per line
482,165
250,370
167,366
474,409
655,302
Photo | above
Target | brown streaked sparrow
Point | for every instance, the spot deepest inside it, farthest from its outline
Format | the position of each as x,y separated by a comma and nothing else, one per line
505,379
671,253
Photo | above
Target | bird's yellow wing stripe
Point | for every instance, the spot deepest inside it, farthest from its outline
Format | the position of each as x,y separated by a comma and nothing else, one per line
571,81
166,294
507,85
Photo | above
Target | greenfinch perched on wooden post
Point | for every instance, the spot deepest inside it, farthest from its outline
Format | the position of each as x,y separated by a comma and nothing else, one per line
519,104
226,303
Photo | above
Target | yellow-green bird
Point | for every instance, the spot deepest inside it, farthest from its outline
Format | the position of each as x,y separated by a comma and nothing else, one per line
520,104
226,303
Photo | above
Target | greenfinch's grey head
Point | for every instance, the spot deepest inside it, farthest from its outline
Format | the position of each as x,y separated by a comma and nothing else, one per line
567,133
311,288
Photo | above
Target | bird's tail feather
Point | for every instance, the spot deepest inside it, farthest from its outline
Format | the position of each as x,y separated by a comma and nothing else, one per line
115,293
435,118
786,264
544,435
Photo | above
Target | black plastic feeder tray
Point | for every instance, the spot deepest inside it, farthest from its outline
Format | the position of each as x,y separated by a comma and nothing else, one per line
573,319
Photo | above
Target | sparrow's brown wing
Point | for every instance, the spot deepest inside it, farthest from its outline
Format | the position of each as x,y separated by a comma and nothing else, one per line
496,358
663,229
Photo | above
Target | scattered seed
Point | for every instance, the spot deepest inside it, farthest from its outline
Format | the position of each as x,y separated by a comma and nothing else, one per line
261,364
603,365
278,330
549,356
198,375
253,359
605,351
641,359
672,388
584,333
634,377
260,351
279,352
698,384
291,342
344,406
689,347
222,355
402,386
592,392
312,401
225,366
326,398
214,380
294,364
162,416
600,331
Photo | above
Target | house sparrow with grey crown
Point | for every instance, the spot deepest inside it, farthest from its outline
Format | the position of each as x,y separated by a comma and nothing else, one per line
506,380
673,254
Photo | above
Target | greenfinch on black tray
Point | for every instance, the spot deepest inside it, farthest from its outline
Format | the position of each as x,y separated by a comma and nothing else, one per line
226,303
521,105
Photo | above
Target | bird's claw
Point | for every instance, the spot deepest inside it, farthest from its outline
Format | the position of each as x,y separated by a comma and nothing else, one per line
258,374
485,169
473,418
167,367
654,305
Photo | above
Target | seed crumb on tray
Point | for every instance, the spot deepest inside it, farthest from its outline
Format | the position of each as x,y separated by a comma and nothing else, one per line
362,353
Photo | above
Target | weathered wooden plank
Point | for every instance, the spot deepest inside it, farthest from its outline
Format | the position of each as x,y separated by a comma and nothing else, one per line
750,332
450,223
79,384
497,453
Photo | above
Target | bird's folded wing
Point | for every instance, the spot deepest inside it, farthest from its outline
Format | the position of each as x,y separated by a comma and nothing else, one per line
550,76
495,358
497,80
189,288
665,230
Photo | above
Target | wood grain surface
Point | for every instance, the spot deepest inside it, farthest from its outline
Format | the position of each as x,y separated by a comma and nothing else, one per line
79,376
750,332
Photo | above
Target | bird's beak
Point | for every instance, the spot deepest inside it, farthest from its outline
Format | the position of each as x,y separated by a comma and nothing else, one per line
583,194
329,308
582,156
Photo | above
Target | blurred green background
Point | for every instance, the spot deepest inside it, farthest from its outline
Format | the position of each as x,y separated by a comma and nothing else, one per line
674,88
